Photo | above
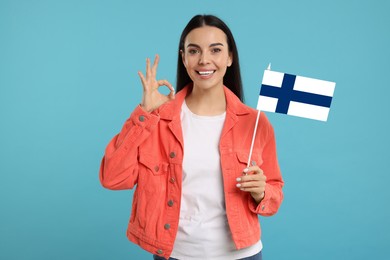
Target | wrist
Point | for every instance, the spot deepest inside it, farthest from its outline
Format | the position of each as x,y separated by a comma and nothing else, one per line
258,197
146,109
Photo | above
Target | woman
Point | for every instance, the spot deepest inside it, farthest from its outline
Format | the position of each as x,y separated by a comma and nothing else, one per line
187,152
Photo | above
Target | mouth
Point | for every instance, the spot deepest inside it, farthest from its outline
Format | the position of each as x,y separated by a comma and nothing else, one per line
206,72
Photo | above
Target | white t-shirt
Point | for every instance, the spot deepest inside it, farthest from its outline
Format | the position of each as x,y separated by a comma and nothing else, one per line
203,227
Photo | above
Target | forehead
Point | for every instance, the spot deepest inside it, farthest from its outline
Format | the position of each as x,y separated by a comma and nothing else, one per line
206,35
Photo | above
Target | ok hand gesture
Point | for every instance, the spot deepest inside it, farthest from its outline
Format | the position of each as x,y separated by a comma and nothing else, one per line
152,98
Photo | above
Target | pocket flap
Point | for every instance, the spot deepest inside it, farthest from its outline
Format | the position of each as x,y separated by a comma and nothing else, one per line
157,168
243,158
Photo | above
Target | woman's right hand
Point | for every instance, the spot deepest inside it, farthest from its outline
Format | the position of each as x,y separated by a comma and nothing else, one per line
152,98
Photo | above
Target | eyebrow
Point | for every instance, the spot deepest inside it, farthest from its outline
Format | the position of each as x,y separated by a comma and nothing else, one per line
211,45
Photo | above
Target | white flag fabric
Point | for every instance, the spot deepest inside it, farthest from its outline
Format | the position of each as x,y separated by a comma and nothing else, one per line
295,95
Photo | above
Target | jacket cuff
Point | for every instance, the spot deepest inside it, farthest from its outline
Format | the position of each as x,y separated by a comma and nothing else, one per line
262,206
143,118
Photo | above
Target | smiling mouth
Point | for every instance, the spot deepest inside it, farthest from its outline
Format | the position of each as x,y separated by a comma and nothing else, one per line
206,73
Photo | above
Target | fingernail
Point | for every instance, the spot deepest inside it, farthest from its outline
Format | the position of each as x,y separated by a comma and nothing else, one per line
238,179
246,170
238,185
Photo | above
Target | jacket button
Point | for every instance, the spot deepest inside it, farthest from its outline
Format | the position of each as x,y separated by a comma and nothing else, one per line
159,251
141,118
170,203
263,207
172,155
156,168
172,180
167,226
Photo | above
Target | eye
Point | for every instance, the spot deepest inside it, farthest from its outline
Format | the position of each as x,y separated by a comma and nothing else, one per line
193,51
216,50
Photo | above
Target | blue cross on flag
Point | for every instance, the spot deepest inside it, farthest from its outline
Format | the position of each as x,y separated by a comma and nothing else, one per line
295,95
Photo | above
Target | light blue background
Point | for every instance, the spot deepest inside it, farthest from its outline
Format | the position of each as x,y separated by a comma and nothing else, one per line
68,80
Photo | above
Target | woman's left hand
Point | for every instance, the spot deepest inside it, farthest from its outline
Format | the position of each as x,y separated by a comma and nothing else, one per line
254,182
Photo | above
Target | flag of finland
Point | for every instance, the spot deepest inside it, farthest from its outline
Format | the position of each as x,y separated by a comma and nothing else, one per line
295,95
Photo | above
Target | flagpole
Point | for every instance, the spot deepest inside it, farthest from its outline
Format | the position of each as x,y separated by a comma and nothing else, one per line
253,138
255,130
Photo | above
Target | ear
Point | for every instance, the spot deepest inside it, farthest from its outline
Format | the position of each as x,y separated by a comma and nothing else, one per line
230,59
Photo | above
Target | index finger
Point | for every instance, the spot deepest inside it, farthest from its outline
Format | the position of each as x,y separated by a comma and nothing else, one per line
255,169
251,177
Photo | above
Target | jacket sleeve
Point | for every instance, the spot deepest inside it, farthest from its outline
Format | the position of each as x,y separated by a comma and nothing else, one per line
119,166
270,204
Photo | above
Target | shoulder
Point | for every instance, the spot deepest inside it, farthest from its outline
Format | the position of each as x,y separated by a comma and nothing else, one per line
264,126
245,112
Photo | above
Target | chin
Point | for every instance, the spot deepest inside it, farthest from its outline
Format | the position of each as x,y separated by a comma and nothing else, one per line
207,85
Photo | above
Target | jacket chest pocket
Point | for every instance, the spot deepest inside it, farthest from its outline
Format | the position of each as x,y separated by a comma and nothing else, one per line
242,158
152,165
152,176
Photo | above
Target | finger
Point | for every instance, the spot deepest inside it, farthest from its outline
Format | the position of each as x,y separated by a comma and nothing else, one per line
255,190
164,82
171,88
142,78
148,71
155,65
252,188
255,169
250,181
252,177
172,93
252,184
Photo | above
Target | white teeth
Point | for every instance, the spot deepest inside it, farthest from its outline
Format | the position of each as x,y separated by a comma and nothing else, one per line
206,72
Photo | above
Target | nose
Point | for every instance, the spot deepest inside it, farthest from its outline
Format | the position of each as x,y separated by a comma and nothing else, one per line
204,58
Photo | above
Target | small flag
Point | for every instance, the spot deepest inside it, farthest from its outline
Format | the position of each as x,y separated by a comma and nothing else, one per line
295,95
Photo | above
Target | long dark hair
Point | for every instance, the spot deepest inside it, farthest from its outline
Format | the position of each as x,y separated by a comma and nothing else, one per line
232,78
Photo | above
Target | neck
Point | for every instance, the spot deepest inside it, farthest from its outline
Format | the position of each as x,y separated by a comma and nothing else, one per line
207,102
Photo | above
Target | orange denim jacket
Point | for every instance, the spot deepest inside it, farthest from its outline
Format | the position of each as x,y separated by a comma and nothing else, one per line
149,152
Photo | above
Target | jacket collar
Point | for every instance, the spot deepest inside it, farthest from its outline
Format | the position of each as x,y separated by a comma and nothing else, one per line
170,110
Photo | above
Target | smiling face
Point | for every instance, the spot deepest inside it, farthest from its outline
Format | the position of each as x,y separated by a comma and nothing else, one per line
206,57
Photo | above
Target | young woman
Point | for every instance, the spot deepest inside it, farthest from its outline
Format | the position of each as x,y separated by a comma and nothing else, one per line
187,152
